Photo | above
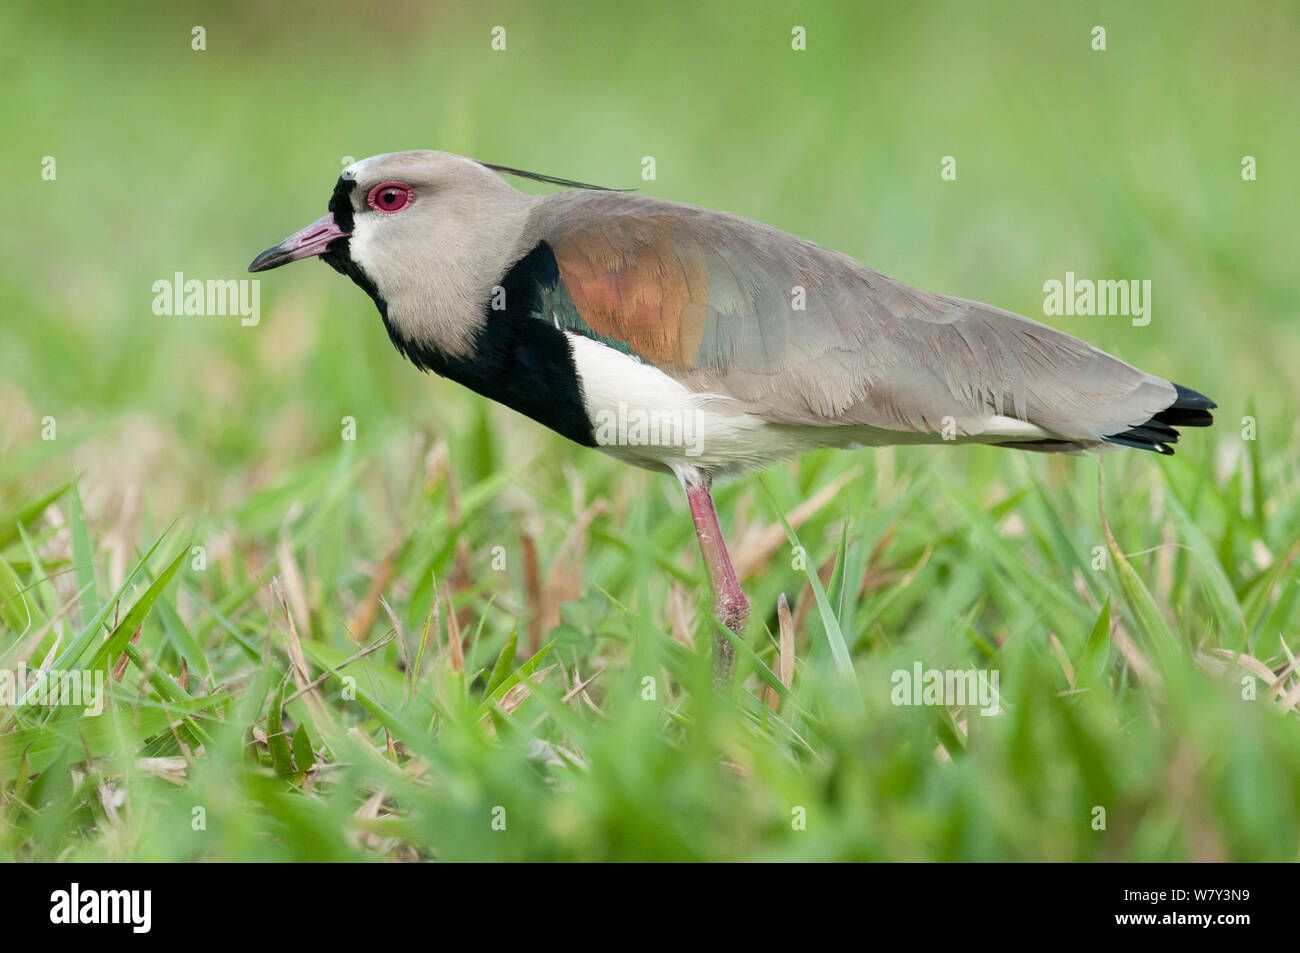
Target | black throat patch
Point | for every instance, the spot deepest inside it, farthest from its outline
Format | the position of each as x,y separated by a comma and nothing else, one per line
519,358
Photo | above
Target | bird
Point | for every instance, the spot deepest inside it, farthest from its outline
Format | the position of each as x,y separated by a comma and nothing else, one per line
700,344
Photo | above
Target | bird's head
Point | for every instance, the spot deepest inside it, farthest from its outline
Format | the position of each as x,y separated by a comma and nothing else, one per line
426,234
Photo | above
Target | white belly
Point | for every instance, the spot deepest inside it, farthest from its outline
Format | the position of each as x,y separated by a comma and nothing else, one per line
643,416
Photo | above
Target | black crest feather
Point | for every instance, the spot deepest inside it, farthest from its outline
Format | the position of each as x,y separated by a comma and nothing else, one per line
538,177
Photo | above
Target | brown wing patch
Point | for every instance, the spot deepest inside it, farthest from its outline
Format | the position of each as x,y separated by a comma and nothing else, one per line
631,282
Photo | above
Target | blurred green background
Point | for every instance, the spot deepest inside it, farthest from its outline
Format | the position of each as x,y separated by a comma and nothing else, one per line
1123,163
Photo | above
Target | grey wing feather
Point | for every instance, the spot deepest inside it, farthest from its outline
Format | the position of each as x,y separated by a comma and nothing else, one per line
802,335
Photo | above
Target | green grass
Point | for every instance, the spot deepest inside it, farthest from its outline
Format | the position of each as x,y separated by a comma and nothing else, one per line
332,649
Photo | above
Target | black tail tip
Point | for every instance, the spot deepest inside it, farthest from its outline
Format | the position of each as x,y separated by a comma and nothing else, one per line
1188,399
1189,409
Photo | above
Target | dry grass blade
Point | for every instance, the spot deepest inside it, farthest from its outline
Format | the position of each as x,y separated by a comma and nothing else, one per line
294,589
322,679
564,580
363,617
533,587
679,611
1133,655
785,657
758,547
168,769
1061,658
298,662
455,648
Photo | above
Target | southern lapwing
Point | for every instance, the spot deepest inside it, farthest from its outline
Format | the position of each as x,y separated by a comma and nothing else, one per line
694,342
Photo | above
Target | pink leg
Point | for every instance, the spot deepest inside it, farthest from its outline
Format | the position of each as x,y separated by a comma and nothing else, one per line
729,602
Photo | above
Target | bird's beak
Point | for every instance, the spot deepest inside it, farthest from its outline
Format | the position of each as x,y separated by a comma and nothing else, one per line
312,240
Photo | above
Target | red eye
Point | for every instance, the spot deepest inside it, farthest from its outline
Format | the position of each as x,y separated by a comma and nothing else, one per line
390,197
